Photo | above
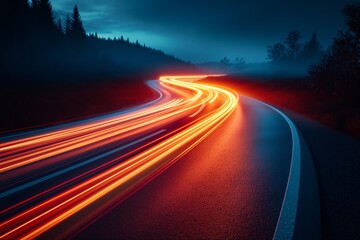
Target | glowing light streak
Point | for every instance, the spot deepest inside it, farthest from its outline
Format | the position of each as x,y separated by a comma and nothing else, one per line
189,99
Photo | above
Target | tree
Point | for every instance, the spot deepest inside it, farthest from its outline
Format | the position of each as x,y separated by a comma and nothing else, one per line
312,49
339,70
32,46
240,63
352,20
68,27
77,28
46,19
225,61
276,52
293,44
59,26
35,6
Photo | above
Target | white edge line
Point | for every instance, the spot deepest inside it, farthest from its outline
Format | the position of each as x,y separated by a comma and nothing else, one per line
286,222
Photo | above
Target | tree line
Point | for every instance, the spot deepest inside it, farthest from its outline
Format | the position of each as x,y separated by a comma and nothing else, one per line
338,70
36,46
334,71
293,51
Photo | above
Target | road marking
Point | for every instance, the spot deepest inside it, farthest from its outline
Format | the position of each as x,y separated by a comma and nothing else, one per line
286,222
68,169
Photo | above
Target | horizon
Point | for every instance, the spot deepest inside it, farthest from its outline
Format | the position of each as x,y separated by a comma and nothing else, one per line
231,34
157,119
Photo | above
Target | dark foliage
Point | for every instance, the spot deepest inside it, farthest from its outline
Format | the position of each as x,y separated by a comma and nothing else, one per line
338,72
293,52
36,47
76,29
293,44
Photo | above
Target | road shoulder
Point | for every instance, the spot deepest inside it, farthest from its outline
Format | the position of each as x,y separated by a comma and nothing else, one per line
336,157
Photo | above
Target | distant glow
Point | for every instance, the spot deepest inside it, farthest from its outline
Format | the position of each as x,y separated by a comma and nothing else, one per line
203,106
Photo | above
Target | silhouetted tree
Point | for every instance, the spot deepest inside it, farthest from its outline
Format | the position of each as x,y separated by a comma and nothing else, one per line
240,63
32,42
293,53
77,28
276,52
312,49
352,19
35,7
339,69
45,18
68,27
225,61
293,44
46,11
59,26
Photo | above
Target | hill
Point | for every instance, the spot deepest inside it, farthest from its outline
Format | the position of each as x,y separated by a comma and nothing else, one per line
36,48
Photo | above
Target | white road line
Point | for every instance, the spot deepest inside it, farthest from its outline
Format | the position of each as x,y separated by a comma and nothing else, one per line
68,169
286,221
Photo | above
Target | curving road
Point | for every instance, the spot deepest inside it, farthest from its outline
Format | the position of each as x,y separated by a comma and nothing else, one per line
227,162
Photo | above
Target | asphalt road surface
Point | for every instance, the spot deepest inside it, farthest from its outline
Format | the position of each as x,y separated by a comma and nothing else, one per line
199,162
230,186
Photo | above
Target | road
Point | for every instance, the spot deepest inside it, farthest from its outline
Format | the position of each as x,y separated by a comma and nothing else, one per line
197,162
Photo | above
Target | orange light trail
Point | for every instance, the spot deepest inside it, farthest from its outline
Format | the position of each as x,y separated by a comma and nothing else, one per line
188,113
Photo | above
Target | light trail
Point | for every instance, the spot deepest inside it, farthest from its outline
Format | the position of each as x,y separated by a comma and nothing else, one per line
119,173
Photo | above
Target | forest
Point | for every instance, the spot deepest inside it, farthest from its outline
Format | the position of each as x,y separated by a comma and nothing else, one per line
334,70
36,47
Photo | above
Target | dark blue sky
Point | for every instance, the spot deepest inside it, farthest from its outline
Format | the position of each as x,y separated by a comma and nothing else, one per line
199,30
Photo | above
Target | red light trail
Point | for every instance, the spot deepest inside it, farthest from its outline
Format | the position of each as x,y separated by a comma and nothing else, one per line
105,159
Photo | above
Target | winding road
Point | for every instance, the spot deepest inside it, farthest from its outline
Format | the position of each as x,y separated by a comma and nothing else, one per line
198,162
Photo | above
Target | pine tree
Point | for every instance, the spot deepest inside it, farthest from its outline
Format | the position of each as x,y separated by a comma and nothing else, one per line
34,4
46,18
293,44
312,49
59,26
339,69
68,28
77,28
35,11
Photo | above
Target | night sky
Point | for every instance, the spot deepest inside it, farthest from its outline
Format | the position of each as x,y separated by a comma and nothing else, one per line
199,30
